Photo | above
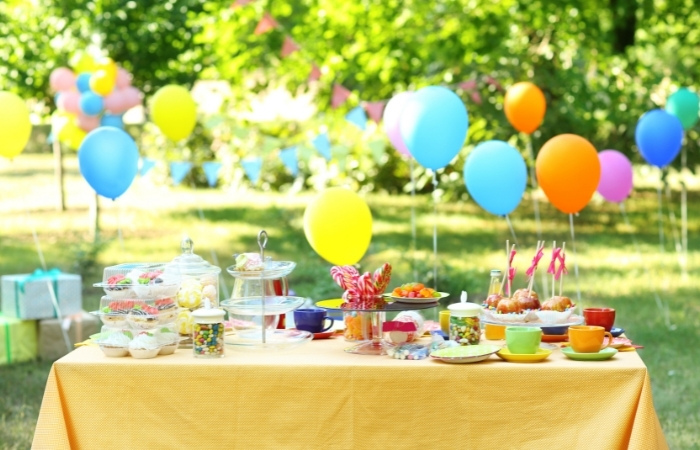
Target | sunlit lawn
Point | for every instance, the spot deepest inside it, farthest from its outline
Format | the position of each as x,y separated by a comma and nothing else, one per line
152,219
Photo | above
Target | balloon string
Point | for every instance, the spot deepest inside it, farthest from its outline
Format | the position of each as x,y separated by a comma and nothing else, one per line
37,244
536,206
573,242
684,212
674,229
661,221
119,227
512,231
435,219
413,220
659,303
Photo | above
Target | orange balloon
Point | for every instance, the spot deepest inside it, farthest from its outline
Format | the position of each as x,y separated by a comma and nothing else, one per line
568,170
525,106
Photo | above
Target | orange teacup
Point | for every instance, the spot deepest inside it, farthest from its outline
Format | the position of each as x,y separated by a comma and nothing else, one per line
588,339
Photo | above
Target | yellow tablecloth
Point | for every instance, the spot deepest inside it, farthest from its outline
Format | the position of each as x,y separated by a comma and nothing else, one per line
319,397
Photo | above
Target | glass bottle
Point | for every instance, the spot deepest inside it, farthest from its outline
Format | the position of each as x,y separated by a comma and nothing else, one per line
495,285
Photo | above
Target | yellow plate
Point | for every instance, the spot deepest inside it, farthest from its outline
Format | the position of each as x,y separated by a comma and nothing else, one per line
540,355
333,303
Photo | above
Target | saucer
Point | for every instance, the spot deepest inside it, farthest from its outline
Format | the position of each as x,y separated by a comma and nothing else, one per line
602,355
322,335
555,337
540,355
616,331
465,354
619,342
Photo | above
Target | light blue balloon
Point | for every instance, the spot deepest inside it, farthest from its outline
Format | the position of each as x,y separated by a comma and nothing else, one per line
108,160
82,82
496,177
659,137
91,104
434,126
112,120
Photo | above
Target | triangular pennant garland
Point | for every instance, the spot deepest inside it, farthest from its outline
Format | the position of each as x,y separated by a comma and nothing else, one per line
252,168
467,85
357,117
378,149
340,95
289,159
476,97
289,47
315,73
211,170
179,170
238,3
266,24
323,145
375,110
341,153
146,165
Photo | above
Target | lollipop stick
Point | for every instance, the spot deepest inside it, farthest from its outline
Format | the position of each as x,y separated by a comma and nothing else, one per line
554,246
561,277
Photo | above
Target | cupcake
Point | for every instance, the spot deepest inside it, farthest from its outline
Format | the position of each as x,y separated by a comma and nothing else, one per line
119,286
248,262
167,310
115,344
168,340
114,314
143,346
143,317
154,284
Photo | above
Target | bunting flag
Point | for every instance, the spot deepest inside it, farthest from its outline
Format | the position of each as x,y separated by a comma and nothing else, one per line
238,3
252,168
289,159
357,117
323,145
315,73
467,85
211,170
50,138
375,110
492,81
266,24
289,47
378,149
269,144
179,170
146,165
340,95
476,97
341,153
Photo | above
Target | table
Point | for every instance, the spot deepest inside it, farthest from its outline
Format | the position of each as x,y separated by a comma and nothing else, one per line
319,397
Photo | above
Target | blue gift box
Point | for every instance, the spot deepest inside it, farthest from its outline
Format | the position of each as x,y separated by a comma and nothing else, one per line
28,296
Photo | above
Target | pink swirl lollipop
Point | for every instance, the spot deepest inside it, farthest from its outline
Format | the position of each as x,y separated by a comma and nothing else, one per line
382,276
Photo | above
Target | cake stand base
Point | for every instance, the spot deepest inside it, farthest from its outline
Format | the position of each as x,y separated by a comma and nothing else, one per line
370,348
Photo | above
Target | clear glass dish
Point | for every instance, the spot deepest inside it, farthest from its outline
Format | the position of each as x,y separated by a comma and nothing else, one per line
277,340
254,306
272,269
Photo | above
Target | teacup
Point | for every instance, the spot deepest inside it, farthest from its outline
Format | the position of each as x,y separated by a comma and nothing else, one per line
601,317
523,340
494,332
589,339
445,321
312,319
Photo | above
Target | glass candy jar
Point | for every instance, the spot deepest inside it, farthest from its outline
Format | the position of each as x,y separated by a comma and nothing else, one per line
208,333
465,326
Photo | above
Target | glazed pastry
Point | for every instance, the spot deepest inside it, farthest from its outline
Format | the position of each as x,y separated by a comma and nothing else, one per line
557,303
508,306
492,301
526,293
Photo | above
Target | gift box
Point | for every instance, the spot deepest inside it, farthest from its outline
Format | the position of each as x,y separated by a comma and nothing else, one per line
27,296
79,327
17,340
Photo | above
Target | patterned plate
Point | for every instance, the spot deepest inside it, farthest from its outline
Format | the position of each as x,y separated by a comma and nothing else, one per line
465,354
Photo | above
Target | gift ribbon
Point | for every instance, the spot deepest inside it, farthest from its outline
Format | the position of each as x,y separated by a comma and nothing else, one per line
37,275
562,266
535,261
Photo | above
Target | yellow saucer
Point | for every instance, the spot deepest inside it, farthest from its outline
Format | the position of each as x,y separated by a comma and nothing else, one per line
540,355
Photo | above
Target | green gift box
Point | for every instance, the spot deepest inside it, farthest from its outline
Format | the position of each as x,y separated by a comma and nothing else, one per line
28,296
18,340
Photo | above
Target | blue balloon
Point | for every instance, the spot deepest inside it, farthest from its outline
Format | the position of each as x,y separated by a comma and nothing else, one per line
434,126
496,176
91,104
82,82
112,120
108,160
659,136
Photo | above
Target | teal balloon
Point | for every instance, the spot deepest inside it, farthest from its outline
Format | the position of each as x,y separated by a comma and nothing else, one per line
684,104
433,125
496,177
108,160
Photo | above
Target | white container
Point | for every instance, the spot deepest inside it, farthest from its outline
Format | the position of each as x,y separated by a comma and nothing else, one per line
208,333
465,325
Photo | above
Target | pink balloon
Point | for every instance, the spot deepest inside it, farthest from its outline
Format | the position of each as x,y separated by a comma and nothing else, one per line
115,102
69,101
123,78
615,176
88,123
132,97
392,114
62,79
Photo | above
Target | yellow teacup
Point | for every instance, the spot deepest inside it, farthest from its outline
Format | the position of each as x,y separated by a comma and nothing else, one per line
588,339
445,321
495,332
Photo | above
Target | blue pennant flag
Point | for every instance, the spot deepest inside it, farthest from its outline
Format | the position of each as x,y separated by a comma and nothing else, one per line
323,145
50,138
289,159
357,117
252,167
179,170
146,165
211,170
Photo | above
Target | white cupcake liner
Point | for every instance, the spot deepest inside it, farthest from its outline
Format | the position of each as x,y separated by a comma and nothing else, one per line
554,317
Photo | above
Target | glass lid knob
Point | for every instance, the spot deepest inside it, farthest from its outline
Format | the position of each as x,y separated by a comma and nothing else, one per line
186,245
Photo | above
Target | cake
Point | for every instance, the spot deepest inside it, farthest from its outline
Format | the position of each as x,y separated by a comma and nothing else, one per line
167,310
119,286
143,317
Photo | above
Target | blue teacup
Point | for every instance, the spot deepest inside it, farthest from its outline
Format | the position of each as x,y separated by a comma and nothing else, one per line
312,319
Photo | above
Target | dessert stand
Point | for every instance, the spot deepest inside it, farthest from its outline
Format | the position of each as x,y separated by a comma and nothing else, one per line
263,307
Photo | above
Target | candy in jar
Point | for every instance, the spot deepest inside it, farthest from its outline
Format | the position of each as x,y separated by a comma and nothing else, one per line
208,332
465,326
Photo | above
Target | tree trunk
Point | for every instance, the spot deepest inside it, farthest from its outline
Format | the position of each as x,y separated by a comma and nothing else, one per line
95,219
58,170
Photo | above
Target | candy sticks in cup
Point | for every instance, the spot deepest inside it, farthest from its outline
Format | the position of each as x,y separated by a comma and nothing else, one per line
362,291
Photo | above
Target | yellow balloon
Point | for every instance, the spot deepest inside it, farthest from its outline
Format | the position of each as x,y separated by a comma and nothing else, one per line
109,66
71,134
338,226
76,138
15,126
82,62
101,82
173,110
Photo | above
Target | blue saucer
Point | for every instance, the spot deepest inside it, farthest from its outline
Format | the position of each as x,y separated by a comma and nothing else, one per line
616,331
555,329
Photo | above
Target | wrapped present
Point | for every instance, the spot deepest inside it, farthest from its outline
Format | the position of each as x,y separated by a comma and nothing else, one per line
28,296
52,343
17,340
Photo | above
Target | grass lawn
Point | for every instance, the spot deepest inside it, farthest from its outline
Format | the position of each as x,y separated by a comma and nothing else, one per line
147,223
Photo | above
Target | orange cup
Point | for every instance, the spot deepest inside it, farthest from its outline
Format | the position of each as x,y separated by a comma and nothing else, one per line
589,339
495,332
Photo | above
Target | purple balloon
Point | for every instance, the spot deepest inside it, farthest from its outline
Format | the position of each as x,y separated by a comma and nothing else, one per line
391,116
615,176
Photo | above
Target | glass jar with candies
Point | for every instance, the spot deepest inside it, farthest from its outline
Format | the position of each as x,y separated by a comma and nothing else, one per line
465,325
208,332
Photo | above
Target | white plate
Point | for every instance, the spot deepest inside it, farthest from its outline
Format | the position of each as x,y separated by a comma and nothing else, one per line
276,340
465,354
417,300
271,270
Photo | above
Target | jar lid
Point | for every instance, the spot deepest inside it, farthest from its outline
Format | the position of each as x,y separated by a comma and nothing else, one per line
209,314
189,263
464,309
